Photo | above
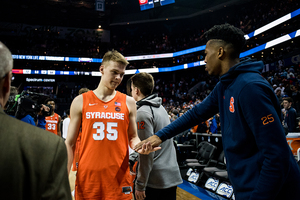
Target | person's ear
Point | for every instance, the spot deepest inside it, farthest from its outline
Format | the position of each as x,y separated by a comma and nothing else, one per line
220,52
101,68
7,82
136,90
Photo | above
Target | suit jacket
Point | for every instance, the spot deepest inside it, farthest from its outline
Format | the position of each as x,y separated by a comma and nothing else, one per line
33,162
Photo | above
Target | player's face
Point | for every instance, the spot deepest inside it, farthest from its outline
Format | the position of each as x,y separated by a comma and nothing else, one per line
211,59
112,74
286,104
51,103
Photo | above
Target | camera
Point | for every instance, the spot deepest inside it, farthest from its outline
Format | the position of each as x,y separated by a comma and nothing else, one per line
27,103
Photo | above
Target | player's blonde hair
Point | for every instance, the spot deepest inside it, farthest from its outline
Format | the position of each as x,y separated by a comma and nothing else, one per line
83,90
114,56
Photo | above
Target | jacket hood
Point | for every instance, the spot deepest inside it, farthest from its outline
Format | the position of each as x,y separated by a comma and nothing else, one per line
246,65
152,100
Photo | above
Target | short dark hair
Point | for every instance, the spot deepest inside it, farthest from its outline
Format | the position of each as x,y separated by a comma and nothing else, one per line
144,82
175,112
67,112
228,34
289,99
49,99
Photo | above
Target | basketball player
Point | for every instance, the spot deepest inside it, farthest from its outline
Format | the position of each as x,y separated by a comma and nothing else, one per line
259,161
107,118
53,122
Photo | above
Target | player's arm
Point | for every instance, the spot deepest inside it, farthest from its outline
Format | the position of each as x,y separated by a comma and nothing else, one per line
41,122
133,138
58,126
74,126
199,113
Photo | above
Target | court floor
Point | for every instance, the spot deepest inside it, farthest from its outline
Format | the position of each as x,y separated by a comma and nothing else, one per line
185,191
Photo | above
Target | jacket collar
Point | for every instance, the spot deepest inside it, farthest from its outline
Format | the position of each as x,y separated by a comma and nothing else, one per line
246,65
151,100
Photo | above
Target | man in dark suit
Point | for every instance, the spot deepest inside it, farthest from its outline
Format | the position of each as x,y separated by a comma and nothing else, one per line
33,161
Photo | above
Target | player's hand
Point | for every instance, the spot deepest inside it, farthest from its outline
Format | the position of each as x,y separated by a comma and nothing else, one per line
149,145
140,195
45,108
132,171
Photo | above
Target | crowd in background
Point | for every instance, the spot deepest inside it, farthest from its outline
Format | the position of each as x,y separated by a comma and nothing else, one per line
179,94
48,42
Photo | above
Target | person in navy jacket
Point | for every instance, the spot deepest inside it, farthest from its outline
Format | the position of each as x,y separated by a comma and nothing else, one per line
290,115
259,161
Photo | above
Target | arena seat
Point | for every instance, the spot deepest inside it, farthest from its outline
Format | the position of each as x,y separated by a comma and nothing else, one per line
205,157
200,149
218,167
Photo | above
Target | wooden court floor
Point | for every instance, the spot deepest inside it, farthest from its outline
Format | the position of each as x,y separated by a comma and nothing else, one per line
181,194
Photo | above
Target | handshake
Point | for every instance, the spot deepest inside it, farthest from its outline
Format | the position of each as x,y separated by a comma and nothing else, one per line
149,145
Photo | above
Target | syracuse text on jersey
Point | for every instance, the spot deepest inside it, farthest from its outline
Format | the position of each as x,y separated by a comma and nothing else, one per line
104,115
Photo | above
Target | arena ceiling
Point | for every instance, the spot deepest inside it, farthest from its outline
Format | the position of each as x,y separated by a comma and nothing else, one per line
82,13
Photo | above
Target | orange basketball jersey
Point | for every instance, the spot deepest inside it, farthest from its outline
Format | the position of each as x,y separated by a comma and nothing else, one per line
52,123
103,170
76,152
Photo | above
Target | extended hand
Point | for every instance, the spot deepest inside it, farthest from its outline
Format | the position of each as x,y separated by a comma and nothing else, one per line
140,195
45,108
149,145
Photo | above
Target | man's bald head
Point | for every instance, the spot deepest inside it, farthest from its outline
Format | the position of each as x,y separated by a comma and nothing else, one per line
6,61
6,65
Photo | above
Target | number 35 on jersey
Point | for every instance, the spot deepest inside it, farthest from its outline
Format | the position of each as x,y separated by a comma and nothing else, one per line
101,128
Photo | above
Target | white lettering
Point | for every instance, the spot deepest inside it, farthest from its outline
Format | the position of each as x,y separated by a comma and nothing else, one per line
104,115
92,115
97,115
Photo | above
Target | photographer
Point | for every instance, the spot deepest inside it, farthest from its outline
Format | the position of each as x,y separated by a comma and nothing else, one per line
41,122
29,111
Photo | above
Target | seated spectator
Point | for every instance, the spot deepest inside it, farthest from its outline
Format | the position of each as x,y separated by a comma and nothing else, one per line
281,88
296,96
278,95
290,114
213,126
